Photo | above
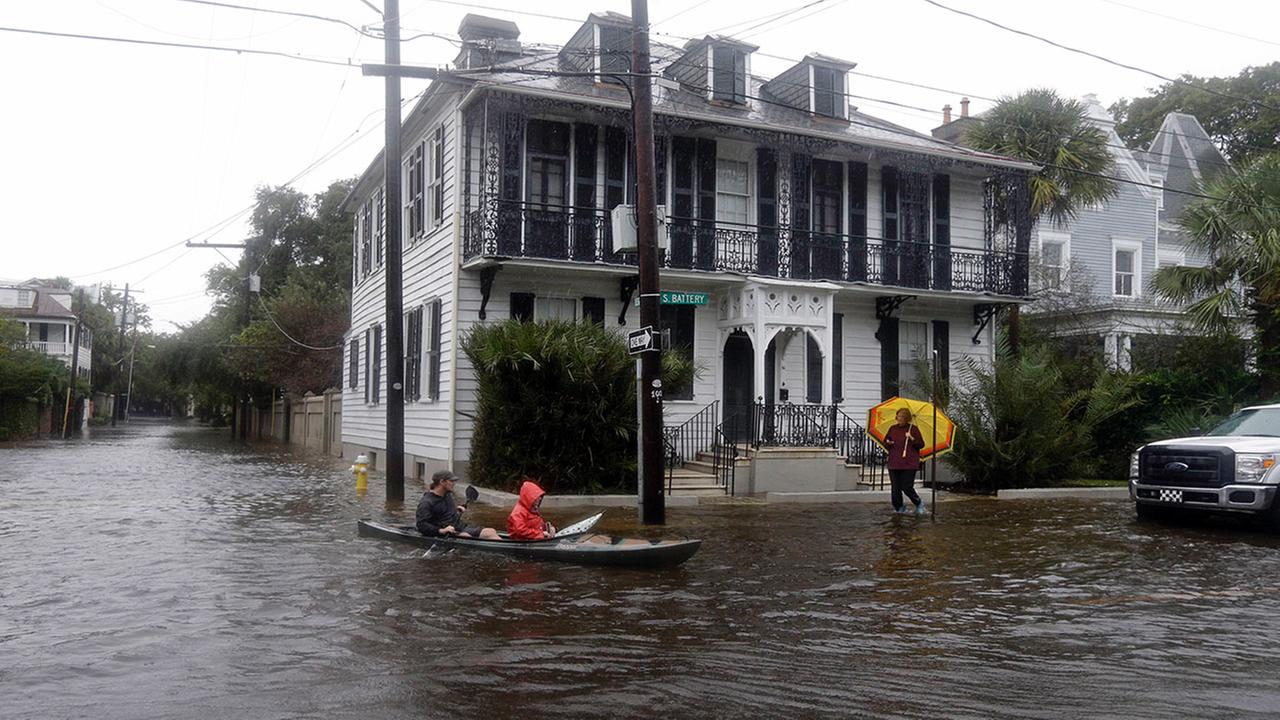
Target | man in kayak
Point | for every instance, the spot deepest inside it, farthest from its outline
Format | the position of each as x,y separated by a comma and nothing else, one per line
439,514
525,522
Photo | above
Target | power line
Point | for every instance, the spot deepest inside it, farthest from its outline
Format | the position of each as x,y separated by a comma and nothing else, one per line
1086,53
669,18
1191,22
287,13
748,32
186,46
290,337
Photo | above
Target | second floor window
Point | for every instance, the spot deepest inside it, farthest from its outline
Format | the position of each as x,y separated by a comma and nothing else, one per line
827,93
732,199
728,75
615,51
414,198
380,224
435,185
548,147
1125,272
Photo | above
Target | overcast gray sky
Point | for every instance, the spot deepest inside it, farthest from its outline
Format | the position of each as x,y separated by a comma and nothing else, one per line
114,152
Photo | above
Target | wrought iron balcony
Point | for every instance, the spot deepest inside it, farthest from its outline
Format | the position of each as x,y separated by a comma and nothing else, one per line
532,230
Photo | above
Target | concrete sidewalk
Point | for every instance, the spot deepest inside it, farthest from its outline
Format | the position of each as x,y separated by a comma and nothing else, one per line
498,498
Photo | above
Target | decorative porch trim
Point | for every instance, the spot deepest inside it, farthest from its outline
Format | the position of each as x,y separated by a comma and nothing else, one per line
626,289
983,313
486,286
887,305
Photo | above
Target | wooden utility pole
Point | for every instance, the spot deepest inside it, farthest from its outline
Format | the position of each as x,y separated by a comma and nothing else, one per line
652,502
124,319
68,415
395,278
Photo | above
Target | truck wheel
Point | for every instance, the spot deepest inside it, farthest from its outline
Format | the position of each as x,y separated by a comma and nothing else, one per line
1270,518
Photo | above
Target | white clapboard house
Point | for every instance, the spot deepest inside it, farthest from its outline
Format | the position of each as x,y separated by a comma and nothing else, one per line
812,255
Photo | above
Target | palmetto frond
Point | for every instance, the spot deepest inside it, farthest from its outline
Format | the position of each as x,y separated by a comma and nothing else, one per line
1054,132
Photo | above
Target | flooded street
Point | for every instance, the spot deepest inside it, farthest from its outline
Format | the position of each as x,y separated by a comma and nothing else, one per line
162,571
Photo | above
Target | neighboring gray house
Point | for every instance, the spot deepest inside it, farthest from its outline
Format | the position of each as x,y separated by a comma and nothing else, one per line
1093,276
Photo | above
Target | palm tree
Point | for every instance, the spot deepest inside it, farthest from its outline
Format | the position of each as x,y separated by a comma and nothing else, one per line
1054,132
1237,227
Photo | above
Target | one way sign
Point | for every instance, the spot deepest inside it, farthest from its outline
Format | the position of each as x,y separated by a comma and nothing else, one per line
642,340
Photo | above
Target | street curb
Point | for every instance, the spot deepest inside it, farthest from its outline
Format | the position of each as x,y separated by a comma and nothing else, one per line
1104,493
847,496
497,498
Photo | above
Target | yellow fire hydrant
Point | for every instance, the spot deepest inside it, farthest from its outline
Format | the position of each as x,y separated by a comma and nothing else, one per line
361,470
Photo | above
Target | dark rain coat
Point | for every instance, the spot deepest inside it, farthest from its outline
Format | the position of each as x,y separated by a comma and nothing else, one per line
435,512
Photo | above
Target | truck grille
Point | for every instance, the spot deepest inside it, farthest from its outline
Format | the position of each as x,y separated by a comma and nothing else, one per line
1204,468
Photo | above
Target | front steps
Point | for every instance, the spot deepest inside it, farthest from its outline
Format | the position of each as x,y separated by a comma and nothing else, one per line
697,477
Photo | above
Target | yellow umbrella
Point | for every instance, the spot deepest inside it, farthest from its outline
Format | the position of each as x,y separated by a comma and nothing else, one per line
923,415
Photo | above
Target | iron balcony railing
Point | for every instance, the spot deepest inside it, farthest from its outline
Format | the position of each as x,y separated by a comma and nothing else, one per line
533,230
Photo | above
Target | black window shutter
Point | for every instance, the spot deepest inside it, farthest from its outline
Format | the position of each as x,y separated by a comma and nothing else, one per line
368,364
942,232
739,77
660,168
522,306
706,252
767,211
813,370
593,310
942,350
837,358
353,365
433,377
585,141
680,214
722,73
615,167
377,364
857,246
888,336
889,216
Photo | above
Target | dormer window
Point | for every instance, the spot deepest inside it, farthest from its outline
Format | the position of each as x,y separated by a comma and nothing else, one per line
729,74
615,52
828,92
815,84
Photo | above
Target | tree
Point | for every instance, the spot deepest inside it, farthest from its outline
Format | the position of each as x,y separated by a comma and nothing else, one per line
1243,128
1054,132
1040,127
1238,229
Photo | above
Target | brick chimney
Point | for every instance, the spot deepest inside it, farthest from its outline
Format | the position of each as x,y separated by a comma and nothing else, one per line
487,41
946,113
964,107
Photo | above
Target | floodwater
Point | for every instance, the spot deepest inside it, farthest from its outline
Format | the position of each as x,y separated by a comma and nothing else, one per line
164,571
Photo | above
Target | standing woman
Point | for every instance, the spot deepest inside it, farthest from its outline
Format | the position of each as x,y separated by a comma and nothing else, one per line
904,443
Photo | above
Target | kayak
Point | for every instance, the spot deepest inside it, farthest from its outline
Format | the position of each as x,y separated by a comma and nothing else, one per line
585,548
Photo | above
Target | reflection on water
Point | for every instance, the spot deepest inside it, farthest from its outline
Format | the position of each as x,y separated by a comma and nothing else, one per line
162,571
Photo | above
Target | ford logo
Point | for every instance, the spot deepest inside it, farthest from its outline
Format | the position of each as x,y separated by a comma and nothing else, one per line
1176,467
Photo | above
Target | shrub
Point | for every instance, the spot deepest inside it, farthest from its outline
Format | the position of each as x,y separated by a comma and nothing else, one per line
1019,424
556,400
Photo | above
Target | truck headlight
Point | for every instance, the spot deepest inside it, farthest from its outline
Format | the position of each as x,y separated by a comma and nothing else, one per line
1133,465
1256,468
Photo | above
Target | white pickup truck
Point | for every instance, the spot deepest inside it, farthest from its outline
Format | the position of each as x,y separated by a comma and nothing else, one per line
1231,468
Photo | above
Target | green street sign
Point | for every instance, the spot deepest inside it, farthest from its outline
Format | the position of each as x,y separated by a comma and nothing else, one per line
670,297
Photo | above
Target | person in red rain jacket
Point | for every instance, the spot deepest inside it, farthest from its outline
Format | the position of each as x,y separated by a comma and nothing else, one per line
904,443
524,522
